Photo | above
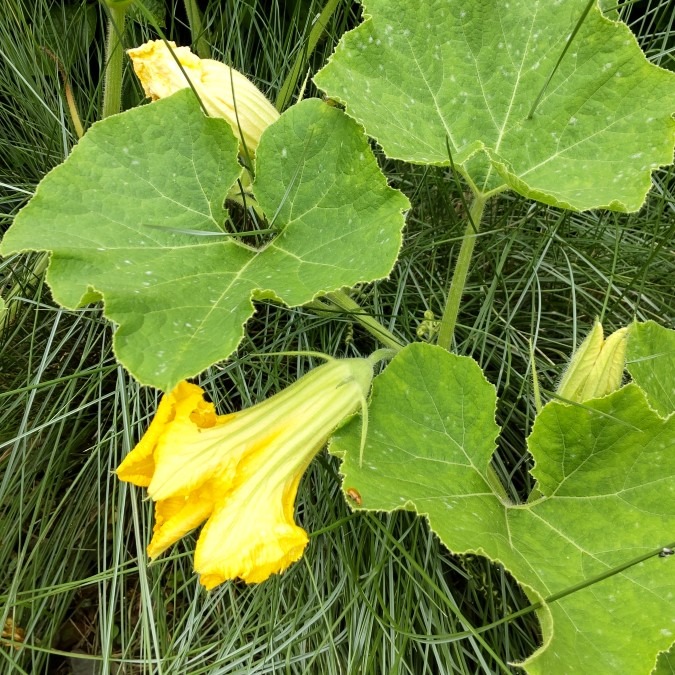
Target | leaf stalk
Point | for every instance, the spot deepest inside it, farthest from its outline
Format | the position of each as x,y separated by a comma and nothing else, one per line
370,323
449,319
114,59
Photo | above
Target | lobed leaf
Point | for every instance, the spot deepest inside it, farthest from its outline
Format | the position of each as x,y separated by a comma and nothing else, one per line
135,217
606,473
425,77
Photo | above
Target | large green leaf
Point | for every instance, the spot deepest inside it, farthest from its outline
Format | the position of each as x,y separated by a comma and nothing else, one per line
651,362
454,77
606,473
135,216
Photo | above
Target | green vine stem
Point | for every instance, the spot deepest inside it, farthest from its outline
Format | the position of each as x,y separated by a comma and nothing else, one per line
114,58
197,29
291,81
341,300
447,327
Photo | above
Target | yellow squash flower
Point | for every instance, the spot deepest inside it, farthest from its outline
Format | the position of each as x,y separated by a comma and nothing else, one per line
596,367
224,91
240,472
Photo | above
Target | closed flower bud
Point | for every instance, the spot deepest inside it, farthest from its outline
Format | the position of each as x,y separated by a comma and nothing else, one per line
596,367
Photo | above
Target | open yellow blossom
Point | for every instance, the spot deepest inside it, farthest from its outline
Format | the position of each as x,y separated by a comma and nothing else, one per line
596,367
224,91
240,472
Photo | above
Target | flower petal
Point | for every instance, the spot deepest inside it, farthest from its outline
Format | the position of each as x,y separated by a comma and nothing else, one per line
224,91
252,535
158,69
186,458
240,472
231,95
138,466
175,517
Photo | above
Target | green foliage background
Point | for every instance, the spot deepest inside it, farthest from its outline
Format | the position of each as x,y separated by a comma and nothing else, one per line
375,593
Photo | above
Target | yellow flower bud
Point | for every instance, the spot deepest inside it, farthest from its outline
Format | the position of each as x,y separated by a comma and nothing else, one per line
240,472
225,92
596,367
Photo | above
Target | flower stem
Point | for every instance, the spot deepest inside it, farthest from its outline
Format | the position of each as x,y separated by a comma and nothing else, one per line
371,324
447,327
196,29
114,60
382,354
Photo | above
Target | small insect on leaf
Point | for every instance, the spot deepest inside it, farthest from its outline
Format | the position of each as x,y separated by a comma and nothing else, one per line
332,102
354,495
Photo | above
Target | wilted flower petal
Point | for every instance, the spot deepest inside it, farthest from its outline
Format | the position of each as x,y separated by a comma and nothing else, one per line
224,91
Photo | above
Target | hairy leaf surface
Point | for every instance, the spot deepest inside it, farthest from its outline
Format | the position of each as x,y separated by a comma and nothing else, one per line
136,216
606,473
651,362
433,79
